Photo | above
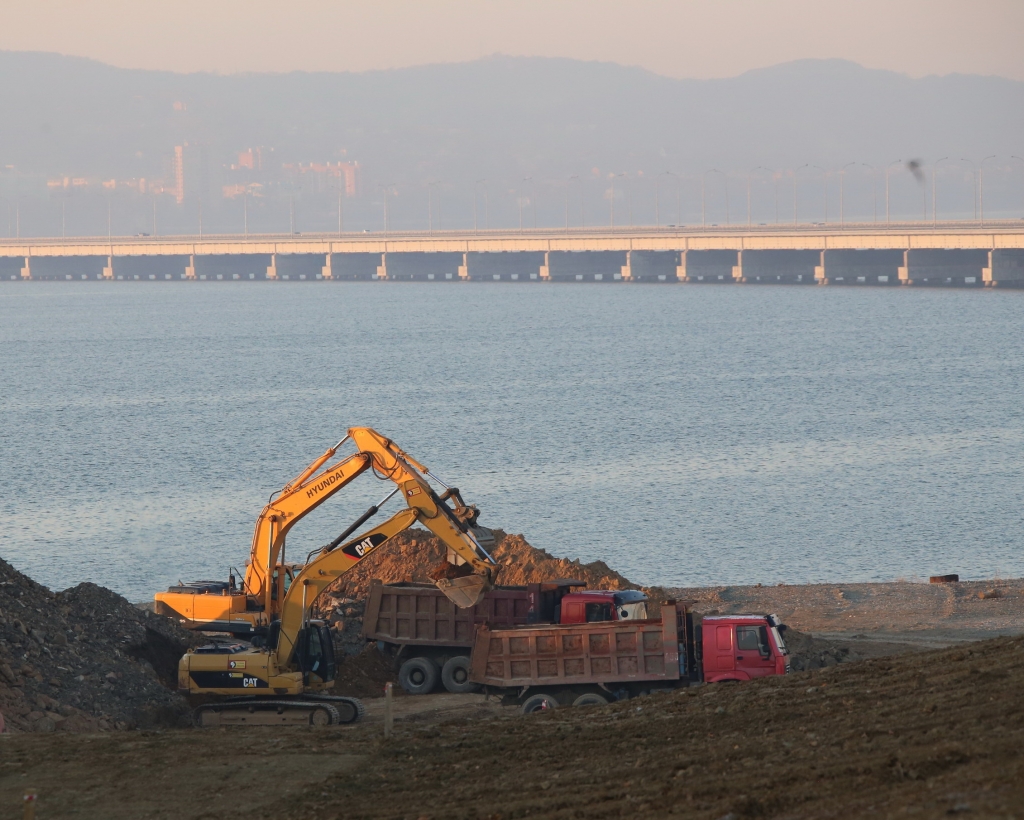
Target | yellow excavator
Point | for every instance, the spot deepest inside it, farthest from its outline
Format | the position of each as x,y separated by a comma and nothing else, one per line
283,675
224,606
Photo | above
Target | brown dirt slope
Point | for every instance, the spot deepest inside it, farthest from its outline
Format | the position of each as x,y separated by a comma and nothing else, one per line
938,732
969,609
411,556
84,659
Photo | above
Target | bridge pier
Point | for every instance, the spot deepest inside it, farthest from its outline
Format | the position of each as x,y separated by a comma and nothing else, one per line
190,268
464,268
108,270
26,271
545,268
272,267
325,271
858,267
626,271
925,266
715,266
382,268
1005,268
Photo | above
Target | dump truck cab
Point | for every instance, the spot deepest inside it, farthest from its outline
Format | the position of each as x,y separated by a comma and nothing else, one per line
742,647
597,605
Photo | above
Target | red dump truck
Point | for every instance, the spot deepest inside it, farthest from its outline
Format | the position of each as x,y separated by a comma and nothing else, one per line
546,666
432,638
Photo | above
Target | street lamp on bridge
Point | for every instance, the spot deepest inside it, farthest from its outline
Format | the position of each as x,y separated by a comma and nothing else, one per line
611,199
795,198
520,198
824,177
842,193
981,186
430,206
568,180
935,198
887,170
487,221
657,197
1019,159
387,216
703,201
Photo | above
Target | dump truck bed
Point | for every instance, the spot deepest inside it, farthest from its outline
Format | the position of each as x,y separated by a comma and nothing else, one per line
591,653
420,614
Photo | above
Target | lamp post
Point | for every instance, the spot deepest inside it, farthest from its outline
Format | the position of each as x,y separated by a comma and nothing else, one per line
658,200
1019,159
874,191
824,177
611,200
749,176
341,207
476,185
430,206
974,187
981,186
568,181
795,198
842,193
530,180
703,207
387,215
935,197
888,168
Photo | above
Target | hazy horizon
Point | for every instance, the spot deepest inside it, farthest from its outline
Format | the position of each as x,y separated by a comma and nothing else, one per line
672,38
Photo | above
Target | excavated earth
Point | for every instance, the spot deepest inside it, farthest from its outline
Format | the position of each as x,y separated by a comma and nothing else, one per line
895,708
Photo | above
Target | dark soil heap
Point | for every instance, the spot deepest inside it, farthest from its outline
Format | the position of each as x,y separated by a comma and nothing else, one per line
85,659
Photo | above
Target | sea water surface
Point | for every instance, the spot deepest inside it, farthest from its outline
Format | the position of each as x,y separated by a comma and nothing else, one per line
686,435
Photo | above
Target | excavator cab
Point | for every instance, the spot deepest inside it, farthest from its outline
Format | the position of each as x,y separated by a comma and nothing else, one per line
314,653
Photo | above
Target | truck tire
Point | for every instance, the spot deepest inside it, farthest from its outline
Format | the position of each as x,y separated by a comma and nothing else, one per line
455,676
539,703
590,699
418,676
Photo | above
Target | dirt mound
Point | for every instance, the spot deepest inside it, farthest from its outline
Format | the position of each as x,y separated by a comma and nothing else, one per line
84,659
363,675
414,554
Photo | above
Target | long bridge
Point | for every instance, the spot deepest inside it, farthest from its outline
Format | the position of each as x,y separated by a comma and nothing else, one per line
943,254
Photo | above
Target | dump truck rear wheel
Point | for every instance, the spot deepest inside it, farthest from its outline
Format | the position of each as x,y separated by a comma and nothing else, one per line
590,699
418,676
538,703
455,676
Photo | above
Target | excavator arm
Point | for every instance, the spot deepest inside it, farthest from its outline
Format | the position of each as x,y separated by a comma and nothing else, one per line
333,561
455,527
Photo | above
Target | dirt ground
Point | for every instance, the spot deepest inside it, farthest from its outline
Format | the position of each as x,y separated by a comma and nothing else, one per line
929,734
905,700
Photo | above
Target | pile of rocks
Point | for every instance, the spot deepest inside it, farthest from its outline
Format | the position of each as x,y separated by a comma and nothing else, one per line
85,659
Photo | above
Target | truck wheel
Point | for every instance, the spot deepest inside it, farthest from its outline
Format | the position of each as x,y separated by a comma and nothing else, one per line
591,699
455,676
418,676
538,703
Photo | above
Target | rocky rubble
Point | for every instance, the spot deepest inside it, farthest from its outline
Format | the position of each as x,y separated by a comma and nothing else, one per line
84,659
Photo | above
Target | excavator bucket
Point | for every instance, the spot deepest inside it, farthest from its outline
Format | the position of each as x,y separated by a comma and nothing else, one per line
466,591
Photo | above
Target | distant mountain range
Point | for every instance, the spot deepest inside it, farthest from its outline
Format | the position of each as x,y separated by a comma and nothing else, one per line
502,119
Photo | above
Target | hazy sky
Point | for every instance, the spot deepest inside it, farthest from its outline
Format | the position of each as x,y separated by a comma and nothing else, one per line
679,38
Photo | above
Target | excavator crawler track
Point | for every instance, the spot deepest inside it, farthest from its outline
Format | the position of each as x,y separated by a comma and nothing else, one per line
351,710
312,711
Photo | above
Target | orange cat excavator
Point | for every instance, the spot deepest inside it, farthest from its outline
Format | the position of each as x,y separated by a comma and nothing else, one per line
224,606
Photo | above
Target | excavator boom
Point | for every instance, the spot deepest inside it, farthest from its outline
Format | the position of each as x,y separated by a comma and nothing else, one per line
216,606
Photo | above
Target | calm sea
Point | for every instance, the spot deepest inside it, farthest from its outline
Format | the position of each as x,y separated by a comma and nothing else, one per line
686,435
